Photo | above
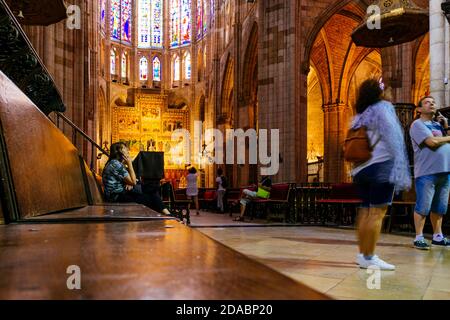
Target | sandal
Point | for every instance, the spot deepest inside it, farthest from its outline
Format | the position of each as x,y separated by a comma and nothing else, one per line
239,219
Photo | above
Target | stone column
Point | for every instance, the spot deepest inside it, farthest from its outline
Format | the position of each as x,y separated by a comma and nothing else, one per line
335,126
437,52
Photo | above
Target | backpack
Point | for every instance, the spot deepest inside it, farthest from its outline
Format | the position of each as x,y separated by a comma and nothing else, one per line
357,148
224,182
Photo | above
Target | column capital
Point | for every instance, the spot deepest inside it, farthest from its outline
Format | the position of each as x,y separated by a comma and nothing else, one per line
334,107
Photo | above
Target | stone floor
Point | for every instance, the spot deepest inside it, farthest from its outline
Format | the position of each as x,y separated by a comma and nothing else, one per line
323,258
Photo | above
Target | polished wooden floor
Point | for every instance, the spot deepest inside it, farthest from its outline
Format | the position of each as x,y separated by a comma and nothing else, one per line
160,259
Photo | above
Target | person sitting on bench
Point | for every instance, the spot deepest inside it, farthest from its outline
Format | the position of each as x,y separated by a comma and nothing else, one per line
263,192
119,180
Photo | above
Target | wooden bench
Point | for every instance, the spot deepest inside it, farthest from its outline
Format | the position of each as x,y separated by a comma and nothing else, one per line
58,185
282,202
232,198
341,204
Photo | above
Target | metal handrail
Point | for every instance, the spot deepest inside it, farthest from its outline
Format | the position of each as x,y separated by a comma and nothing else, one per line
84,135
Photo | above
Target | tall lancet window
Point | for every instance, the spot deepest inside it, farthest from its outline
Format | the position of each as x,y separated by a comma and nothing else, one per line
143,69
157,23
201,19
180,22
176,69
124,66
156,69
187,66
113,62
174,23
121,11
186,22
150,27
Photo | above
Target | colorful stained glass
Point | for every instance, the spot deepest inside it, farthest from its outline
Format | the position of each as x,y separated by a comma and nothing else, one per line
157,23
113,62
115,19
205,21
124,66
103,14
156,69
174,23
200,13
211,12
176,69
143,69
185,22
187,66
126,20
144,24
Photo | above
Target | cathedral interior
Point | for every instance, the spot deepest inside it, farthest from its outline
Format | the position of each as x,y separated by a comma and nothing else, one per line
77,76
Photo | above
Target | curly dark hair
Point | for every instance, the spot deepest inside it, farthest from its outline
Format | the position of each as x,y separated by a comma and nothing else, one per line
192,170
369,94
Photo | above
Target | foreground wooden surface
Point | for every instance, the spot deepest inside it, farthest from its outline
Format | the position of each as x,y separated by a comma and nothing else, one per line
106,212
132,260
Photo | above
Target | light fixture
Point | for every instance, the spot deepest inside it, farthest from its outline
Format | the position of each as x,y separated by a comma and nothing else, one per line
446,8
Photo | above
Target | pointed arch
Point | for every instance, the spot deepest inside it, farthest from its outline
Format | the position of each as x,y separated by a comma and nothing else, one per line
227,108
250,66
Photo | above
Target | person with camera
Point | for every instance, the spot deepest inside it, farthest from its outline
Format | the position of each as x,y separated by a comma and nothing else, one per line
430,140
119,180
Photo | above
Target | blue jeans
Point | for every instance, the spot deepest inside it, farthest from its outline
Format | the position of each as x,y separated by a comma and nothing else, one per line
432,193
373,185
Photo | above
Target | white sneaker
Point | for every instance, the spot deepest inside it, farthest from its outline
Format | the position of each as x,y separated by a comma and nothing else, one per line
374,262
359,256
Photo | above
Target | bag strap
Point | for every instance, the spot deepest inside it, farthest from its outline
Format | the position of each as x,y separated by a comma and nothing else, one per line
374,145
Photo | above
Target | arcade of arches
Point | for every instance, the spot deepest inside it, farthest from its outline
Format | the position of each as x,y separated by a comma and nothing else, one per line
139,69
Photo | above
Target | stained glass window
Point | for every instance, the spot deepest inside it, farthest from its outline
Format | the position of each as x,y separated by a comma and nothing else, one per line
157,23
103,14
174,23
211,12
121,11
200,13
115,19
205,23
126,20
124,66
143,69
156,69
176,69
144,24
113,62
186,22
187,66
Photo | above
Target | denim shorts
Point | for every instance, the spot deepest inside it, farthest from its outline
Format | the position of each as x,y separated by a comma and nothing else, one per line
373,185
432,194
